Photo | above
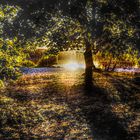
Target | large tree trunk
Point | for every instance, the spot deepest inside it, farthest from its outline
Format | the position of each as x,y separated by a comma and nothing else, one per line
89,65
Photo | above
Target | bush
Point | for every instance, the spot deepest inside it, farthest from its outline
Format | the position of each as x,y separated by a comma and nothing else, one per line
11,51
47,61
11,58
28,63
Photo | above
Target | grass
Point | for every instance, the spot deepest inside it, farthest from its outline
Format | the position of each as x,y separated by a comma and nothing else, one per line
56,106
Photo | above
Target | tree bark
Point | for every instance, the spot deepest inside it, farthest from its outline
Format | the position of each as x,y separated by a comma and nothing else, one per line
88,55
89,66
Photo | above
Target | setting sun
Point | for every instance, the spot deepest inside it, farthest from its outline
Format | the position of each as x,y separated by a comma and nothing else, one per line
73,66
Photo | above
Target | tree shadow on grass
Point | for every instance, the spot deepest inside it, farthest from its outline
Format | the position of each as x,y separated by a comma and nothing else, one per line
94,104
105,124
128,89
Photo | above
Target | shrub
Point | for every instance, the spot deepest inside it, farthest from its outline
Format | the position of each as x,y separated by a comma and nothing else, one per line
11,58
47,61
11,52
28,63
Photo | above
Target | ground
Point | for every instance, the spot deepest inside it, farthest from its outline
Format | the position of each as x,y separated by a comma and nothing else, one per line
57,106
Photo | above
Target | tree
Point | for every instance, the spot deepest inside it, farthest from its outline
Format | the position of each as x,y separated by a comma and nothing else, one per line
11,53
39,12
102,22
119,27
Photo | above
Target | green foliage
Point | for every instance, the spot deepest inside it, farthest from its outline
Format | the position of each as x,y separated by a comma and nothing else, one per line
8,14
62,33
110,60
132,55
28,63
118,27
11,51
11,57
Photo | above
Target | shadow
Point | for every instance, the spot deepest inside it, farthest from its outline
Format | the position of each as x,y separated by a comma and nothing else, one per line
128,89
95,105
104,124
103,121
89,97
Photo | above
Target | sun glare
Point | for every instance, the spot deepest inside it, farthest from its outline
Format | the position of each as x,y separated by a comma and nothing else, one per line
73,66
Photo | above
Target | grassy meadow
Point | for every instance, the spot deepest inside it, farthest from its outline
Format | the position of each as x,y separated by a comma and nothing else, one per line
56,106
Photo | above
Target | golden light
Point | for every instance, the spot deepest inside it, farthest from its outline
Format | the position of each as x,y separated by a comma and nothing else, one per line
136,66
73,66
97,64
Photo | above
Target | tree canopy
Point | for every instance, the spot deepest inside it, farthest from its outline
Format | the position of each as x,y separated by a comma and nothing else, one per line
106,26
